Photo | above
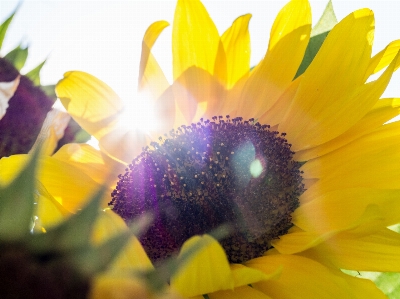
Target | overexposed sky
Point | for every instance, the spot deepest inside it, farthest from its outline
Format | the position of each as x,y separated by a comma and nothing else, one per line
104,37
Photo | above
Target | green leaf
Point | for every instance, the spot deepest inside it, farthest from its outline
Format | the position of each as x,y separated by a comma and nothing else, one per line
17,57
17,203
389,283
4,26
318,34
34,74
82,136
49,90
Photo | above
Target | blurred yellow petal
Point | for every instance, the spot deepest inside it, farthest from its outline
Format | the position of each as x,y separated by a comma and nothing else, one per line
89,160
289,38
319,103
91,102
49,211
195,39
112,286
206,272
52,131
133,255
69,186
236,42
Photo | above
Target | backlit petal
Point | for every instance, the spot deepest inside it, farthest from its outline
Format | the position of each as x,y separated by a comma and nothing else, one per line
236,42
383,111
383,59
91,102
289,38
89,160
324,96
69,186
151,77
194,88
364,163
195,39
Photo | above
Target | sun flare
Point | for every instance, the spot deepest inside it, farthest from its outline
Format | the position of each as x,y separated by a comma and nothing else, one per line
139,113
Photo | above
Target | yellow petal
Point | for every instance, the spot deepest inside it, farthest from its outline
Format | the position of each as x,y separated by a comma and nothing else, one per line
304,242
231,101
91,102
323,95
298,241
49,211
89,160
363,288
383,111
206,272
375,252
113,286
69,186
304,278
239,293
289,38
243,275
236,42
133,255
347,209
275,115
195,39
383,59
51,131
194,88
151,77
123,144
365,163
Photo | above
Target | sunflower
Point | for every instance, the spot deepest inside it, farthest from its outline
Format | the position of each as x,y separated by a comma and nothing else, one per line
30,106
301,167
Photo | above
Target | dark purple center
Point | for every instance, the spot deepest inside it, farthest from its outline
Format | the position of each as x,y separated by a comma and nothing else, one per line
225,171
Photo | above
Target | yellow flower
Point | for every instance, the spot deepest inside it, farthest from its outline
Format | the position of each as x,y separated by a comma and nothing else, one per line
332,116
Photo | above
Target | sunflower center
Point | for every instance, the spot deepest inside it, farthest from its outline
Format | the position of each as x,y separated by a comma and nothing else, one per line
225,171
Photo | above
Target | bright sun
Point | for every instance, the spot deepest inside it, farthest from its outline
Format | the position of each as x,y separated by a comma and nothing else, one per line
139,113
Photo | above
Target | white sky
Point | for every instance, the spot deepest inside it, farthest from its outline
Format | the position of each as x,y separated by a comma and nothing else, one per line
104,37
